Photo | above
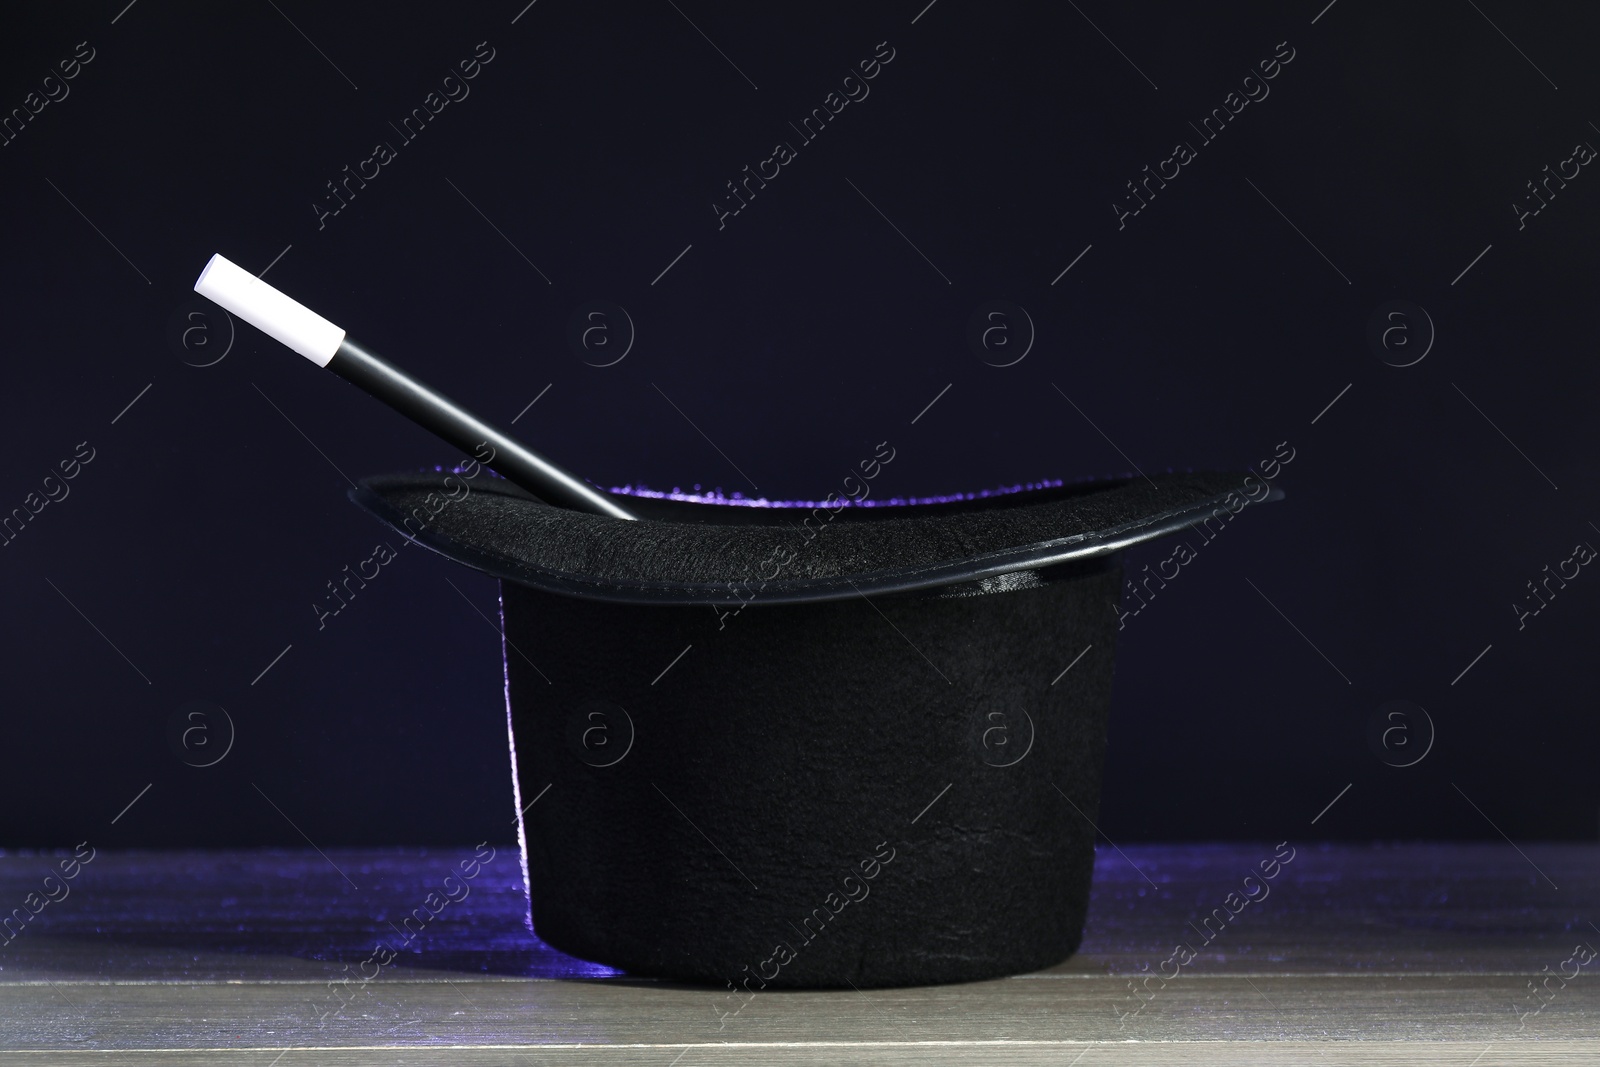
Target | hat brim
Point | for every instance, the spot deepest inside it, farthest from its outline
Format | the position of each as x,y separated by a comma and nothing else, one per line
734,553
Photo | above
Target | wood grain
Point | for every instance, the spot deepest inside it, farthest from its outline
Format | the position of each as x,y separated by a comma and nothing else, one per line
1403,954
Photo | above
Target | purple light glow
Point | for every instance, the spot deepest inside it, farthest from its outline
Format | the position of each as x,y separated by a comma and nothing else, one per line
738,499
717,498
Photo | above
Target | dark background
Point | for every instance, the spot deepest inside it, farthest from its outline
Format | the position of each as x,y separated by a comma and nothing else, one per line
1202,334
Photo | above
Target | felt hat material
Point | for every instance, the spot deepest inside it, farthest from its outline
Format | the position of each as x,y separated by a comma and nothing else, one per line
760,754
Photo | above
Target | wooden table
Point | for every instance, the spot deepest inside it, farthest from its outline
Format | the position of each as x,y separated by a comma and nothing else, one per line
1397,954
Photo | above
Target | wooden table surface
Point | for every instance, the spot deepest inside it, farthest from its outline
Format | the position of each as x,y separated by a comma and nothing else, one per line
1399,954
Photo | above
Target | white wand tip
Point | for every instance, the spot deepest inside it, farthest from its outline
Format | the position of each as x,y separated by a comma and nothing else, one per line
241,293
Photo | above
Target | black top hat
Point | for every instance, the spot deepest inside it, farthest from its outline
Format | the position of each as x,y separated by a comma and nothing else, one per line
736,720
718,824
